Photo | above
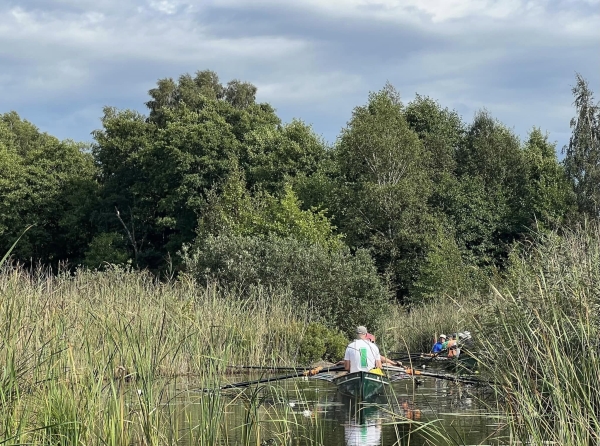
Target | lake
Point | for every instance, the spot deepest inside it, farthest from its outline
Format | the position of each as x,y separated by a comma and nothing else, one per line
311,412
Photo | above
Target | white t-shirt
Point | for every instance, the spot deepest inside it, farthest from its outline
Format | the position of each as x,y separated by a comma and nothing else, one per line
362,355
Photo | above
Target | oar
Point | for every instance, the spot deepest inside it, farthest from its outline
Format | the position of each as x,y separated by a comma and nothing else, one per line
446,376
402,355
264,367
310,372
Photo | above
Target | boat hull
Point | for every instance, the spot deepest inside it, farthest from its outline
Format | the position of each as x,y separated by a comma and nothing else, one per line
362,386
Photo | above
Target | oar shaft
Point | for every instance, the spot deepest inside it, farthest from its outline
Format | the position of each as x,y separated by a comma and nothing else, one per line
310,372
259,381
445,376
265,367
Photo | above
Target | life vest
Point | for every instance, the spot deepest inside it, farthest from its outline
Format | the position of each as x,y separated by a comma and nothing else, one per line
452,348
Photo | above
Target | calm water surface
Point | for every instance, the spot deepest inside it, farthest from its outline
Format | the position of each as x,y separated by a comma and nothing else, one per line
311,412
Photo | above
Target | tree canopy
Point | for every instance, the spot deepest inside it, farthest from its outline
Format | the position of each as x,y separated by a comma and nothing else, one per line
411,201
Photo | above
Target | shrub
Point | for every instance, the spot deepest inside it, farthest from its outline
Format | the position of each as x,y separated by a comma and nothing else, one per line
343,289
319,342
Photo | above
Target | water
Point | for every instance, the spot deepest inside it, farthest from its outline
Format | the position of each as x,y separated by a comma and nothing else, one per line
311,412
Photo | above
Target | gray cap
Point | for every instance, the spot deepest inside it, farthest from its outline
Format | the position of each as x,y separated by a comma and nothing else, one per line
361,330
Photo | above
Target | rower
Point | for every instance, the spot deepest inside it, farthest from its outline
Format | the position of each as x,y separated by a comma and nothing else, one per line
453,350
371,338
439,345
361,355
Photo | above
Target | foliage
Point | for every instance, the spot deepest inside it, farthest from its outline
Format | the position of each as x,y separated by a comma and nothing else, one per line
385,186
106,248
233,210
435,201
46,183
545,315
343,289
157,171
547,197
319,342
274,154
582,160
440,130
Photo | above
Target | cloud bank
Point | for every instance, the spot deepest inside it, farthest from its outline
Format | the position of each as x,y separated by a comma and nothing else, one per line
64,60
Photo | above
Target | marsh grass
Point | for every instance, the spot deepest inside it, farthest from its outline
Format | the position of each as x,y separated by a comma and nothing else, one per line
94,358
543,348
416,331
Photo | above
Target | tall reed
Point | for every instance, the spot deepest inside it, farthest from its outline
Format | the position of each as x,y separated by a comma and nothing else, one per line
95,357
540,343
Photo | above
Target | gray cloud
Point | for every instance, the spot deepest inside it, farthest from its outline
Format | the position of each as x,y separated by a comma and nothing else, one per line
63,60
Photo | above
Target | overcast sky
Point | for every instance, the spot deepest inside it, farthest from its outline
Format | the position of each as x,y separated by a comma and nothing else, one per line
63,60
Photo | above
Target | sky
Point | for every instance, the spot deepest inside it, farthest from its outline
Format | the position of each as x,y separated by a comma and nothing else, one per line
62,61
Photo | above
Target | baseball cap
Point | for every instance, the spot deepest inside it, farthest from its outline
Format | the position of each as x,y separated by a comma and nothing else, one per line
361,330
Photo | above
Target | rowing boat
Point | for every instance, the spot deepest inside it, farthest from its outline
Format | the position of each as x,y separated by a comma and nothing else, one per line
362,386
465,363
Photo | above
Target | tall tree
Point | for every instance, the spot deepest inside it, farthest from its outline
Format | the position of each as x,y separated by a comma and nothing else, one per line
582,160
547,195
46,183
385,184
156,171
441,130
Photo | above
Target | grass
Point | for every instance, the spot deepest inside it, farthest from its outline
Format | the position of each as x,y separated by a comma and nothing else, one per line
540,343
416,331
92,358
113,357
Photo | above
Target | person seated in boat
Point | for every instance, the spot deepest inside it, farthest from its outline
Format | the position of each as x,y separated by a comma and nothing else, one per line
439,345
452,347
362,355
371,338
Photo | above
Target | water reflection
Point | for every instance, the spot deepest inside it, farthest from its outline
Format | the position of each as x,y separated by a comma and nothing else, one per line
365,430
312,412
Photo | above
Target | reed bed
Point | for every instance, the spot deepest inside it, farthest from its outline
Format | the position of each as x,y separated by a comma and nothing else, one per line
98,357
415,331
119,358
540,340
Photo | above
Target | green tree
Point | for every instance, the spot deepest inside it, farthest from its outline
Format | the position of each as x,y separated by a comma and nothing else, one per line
492,162
384,187
231,209
582,160
441,131
46,183
547,194
156,171
276,154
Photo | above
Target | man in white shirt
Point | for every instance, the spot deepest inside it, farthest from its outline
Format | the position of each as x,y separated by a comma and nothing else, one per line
361,355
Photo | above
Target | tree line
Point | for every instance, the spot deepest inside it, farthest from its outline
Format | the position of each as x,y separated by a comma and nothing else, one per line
411,202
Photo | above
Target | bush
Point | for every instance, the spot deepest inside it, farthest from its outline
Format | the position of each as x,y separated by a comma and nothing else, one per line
343,289
319,342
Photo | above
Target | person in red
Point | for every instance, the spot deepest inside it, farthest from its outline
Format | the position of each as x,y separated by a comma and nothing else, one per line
371,338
